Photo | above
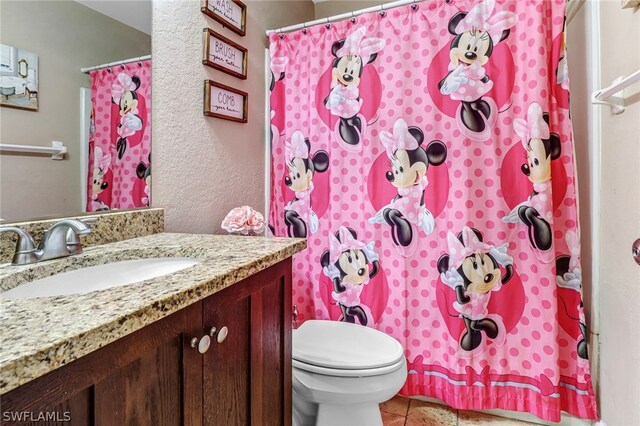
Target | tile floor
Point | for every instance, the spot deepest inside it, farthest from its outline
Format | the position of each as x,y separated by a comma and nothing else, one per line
401,411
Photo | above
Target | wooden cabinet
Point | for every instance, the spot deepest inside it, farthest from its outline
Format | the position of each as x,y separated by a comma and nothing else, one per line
155,377
250,371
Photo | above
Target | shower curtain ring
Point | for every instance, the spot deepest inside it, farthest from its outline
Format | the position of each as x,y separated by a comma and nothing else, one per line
414,6
353,18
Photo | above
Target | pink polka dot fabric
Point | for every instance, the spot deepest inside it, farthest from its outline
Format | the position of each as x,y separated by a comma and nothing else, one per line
441,142
120,171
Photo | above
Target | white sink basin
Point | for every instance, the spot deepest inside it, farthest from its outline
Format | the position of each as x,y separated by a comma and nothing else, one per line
99,277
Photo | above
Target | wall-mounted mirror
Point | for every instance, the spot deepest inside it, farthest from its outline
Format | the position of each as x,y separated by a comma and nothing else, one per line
75,74
23,68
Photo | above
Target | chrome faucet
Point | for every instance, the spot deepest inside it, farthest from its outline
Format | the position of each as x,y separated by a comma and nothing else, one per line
61,240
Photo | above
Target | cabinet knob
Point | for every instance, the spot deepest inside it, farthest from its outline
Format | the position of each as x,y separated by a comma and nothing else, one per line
220,335
202,344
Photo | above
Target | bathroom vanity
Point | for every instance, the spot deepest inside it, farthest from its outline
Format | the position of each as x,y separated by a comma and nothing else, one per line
210,344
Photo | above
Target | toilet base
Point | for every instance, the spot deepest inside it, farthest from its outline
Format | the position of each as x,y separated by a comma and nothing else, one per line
320,400
309,414
349,414
304,413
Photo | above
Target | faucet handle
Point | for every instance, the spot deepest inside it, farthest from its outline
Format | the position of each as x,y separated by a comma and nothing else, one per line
74,245
89,221
25,252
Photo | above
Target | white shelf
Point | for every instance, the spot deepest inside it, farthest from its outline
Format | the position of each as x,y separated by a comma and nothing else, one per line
616,88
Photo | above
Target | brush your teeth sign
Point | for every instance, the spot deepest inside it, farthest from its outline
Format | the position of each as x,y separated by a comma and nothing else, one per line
226,55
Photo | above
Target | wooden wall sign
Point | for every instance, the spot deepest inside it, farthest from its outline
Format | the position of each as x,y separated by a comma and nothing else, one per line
225,102
230,13
223,54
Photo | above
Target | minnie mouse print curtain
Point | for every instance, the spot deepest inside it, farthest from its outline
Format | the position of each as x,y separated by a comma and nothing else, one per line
119,172
426,154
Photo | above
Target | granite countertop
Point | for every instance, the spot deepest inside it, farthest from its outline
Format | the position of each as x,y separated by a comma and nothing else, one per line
41,334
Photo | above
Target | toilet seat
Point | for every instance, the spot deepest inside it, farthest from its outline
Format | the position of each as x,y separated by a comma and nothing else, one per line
342,372
343,349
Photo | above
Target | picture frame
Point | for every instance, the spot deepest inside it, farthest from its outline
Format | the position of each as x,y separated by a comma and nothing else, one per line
230,13
223,54
225,102
19,75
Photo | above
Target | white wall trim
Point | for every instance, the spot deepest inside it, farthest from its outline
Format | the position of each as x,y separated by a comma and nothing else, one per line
85,120
595,144
267,139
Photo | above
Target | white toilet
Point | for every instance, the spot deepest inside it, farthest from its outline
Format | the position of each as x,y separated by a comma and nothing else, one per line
342,371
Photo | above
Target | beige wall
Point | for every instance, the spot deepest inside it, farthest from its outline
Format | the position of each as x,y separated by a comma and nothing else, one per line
66,36
620,222
336,7
203,166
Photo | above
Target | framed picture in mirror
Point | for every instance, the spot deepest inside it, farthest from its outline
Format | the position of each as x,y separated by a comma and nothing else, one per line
223,54
18,78
230,13
225,102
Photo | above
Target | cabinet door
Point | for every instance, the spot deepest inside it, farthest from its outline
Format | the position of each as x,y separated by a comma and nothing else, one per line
150,377
163,385
247,377
225,375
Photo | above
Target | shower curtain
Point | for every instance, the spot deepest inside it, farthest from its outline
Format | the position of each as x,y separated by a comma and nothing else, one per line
119,171
426,154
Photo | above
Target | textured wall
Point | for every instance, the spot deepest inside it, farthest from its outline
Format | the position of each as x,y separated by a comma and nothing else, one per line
620,223
67,36
203,166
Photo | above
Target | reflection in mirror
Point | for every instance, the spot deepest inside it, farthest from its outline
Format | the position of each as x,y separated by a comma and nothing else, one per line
23,68
75,74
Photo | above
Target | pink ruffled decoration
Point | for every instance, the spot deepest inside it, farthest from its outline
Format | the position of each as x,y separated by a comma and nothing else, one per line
244,220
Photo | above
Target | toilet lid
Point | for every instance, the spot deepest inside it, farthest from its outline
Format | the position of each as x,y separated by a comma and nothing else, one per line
341,345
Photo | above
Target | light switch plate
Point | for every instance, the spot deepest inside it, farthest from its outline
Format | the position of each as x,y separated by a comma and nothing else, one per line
628,4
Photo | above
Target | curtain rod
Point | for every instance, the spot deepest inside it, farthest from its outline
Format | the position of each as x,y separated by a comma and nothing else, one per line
113,64
573,6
